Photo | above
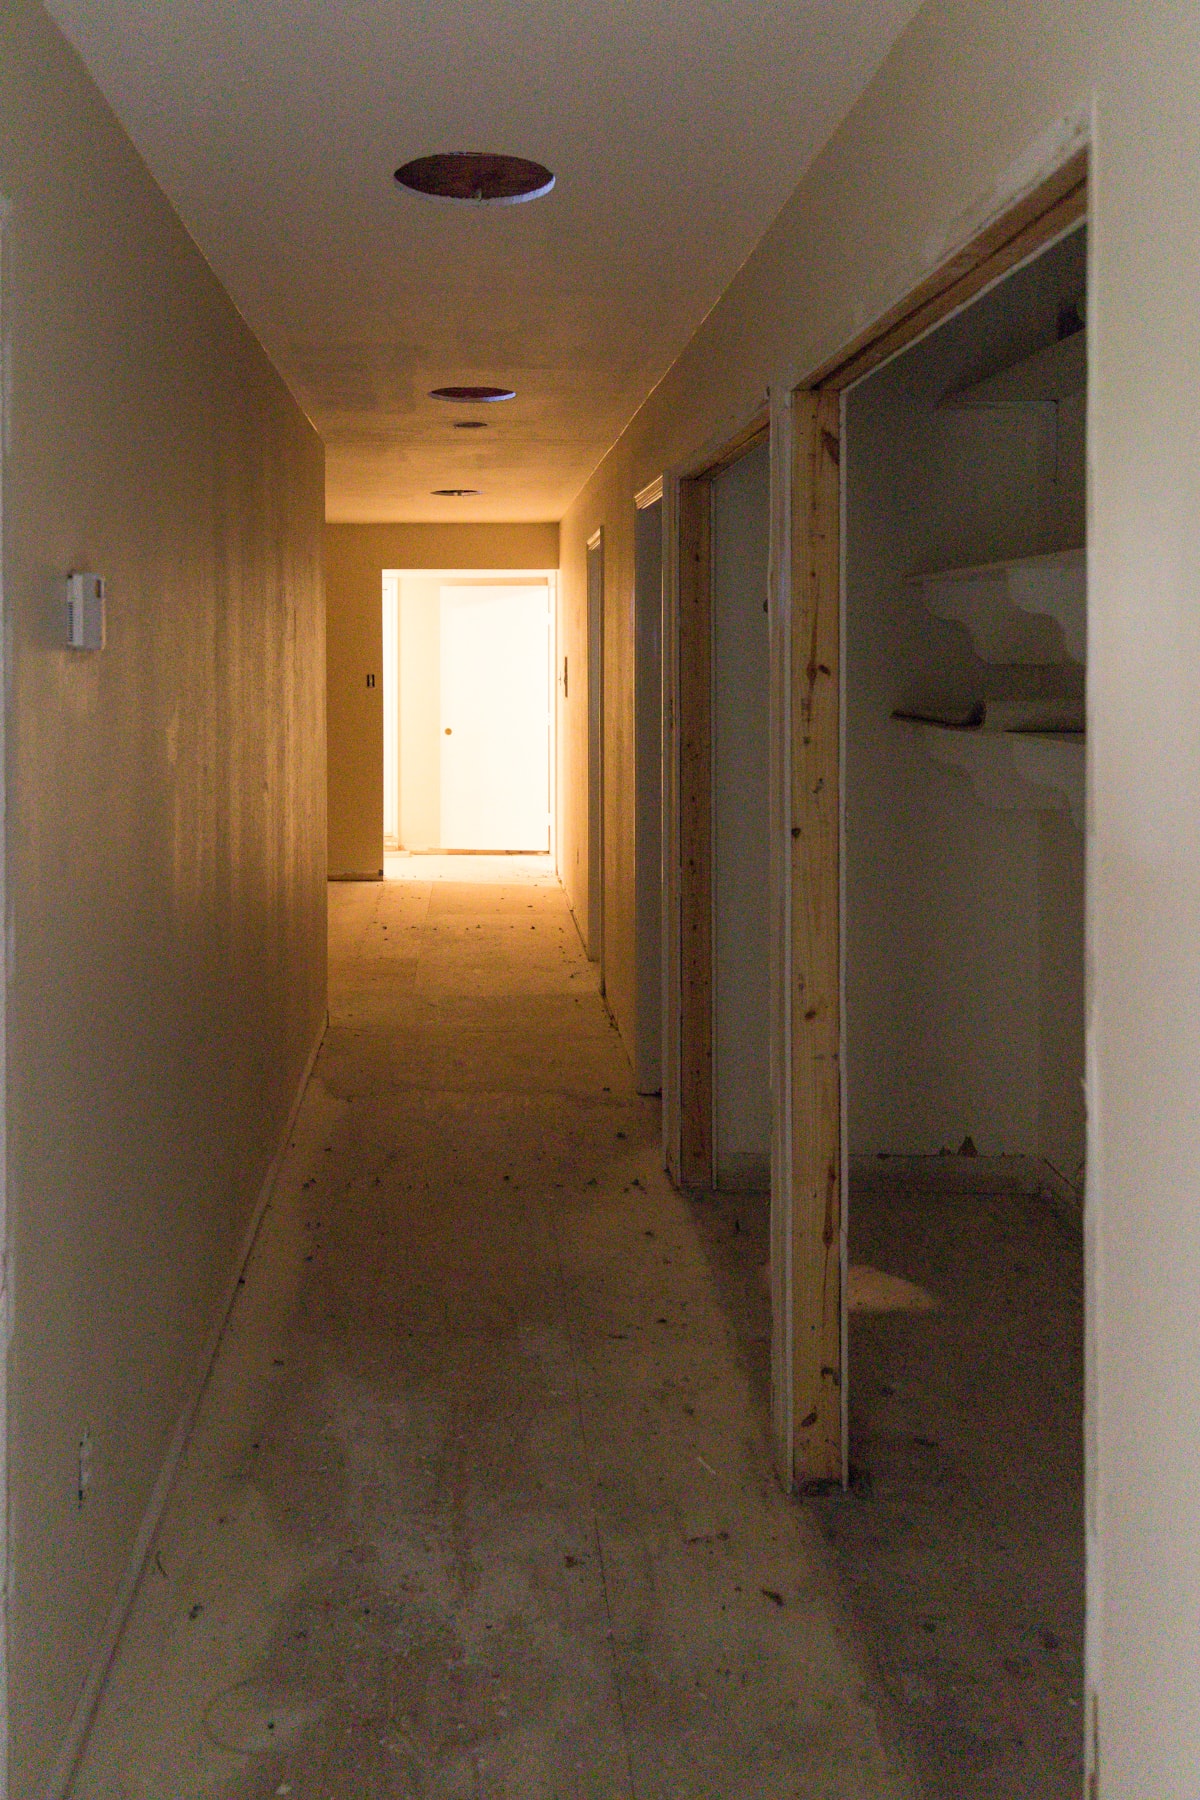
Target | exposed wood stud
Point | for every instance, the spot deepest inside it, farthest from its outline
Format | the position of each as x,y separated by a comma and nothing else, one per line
818,1317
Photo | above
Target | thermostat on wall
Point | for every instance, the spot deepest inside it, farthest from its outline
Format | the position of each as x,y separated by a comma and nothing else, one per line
85,612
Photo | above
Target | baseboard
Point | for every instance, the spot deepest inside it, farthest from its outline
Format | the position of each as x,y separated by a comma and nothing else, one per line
368,875
59,1785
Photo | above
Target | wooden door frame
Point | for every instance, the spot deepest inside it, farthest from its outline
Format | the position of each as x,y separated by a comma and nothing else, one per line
595,732
809,1180
687,800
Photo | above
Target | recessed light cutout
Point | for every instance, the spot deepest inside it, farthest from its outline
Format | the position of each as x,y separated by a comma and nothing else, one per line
454,493
479,175
473,395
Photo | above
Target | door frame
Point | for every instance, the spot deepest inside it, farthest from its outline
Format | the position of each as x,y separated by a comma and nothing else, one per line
6,1320
483,575
809,1248
809,1390
648,808
687,800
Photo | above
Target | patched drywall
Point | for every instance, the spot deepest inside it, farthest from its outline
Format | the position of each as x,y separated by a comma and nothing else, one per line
355,558
165,841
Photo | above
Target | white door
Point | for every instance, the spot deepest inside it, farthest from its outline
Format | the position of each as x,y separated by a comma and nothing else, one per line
495,656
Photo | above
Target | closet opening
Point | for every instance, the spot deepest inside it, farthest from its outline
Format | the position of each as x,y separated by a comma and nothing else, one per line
964,646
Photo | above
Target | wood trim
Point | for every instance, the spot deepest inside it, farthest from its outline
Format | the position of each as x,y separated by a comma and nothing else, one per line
647,496
756,431
694,726
738,435
596,631
1052,208
816,1026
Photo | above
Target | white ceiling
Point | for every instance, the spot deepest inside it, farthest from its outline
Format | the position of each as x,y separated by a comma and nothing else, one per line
676,130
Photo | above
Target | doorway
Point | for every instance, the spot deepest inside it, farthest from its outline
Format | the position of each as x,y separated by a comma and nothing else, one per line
467,683
809,1247
717,1104
963,643
648,762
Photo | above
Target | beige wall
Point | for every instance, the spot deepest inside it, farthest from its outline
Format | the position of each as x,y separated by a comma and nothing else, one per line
355,558
975,100
165,839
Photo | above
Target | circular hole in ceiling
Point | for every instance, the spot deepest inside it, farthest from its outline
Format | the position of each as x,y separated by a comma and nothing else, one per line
482,394
479,175
454,493
470,424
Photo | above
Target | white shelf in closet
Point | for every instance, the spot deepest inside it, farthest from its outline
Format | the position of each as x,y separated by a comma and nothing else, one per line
1049,375
1030,610
1040,771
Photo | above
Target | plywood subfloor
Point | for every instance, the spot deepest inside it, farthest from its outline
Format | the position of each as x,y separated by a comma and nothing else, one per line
479,1503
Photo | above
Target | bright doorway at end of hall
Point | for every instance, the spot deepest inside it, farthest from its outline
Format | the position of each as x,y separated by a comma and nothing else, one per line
467,685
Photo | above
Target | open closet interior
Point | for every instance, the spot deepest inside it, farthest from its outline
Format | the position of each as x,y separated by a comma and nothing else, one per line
965,659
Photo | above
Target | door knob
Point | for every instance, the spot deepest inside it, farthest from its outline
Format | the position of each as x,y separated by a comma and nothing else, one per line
448,731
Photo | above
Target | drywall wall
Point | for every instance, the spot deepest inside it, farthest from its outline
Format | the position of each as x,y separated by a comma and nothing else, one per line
975,102
741,939
962,1016
355,558
165,840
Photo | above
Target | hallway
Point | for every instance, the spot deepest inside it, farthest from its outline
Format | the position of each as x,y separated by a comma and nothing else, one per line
479,1502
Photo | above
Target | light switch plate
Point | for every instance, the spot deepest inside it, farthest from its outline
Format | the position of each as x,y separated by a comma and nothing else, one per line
86,624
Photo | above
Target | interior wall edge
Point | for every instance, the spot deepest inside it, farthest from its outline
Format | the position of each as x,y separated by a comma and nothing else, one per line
59,1787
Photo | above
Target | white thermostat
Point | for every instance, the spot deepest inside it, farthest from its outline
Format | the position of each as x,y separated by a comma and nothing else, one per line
85,612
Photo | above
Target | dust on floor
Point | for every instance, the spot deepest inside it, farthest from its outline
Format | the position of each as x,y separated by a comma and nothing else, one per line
480,1501
960,1546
